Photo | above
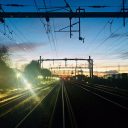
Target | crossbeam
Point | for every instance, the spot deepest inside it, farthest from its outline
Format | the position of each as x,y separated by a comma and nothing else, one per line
66,59
63,14
68,68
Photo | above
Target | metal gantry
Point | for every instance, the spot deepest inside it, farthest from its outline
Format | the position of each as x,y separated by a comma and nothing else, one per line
89,60
63,14
70,13
80,13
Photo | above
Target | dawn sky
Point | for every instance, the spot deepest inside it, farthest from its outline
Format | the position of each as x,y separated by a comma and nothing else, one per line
105,39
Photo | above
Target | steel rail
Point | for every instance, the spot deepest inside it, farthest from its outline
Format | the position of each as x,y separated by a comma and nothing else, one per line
23,98
70,109
113,90
52,114
101,89
102,97
29,113
63,105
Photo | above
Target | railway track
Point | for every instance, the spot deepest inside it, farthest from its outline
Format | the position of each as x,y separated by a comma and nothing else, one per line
69,104
52,112
96,107
116,90
63,115
20,107
112,95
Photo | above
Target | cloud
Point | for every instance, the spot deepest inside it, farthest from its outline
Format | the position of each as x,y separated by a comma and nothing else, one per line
124,55
26,47
118,35
22,60
112,72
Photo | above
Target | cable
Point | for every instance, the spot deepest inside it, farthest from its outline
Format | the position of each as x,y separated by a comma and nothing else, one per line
13,32
50,30
17,29
114,48
97,35
109,37
6,35
42,22
55,35
45,5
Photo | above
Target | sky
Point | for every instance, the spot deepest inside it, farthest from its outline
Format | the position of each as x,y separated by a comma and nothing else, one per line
105,38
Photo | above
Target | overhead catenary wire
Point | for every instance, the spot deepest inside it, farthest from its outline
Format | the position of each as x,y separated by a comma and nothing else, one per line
50,30
49,33
97,35
4,33
117,45
35,3
17,38
55,36
10,31
18,30
97,6
106,39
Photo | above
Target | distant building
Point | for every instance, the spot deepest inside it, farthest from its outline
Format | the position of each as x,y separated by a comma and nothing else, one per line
116,76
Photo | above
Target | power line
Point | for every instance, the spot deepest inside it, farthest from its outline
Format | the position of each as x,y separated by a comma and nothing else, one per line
106,39
47,30
50,31
97,35
13,32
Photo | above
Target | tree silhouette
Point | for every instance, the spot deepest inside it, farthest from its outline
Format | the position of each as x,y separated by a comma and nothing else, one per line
32,71
3,53
45,72
7,75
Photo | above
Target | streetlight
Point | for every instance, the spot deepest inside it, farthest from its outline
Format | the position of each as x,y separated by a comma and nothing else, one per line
18,75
